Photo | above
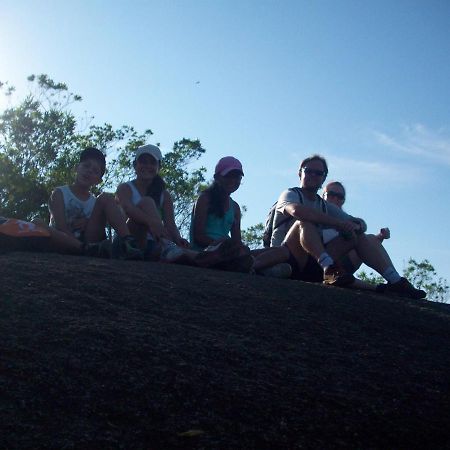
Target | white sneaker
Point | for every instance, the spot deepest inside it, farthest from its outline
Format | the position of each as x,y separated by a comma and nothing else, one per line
281,270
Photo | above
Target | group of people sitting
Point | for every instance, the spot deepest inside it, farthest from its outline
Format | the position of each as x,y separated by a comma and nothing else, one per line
311,237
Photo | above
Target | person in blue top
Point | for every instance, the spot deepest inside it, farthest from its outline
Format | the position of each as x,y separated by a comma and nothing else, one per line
217,217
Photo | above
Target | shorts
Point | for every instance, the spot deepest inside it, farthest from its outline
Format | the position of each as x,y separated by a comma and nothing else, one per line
312,271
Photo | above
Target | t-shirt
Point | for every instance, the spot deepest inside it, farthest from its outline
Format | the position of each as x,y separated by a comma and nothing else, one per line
290,197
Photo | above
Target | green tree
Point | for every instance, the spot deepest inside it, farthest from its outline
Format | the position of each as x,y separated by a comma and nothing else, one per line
40,140
422,275
252,236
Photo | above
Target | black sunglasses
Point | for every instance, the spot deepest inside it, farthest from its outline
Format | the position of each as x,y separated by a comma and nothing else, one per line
335,194
319,173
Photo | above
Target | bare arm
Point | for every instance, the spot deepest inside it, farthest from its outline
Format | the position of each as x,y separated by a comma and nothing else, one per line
57,211
236,228
169,221
199,221
153,224
307,214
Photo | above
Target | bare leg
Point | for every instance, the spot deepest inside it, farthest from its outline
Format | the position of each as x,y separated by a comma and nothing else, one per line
105,210
353,256
269,257
354,259
63,243
311,241
360,284
372,253
293,243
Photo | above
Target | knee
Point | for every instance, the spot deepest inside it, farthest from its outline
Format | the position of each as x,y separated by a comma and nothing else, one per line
307,230
147,203
105,198
371,238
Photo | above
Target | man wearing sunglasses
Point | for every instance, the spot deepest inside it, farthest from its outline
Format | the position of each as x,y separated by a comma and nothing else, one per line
300,218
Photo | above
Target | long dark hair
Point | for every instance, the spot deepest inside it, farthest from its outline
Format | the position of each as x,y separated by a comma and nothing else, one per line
156,189
217,199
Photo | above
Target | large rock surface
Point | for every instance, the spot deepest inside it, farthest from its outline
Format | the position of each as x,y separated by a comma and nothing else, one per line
111,354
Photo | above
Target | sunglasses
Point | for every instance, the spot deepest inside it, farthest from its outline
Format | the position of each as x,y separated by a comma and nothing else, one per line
308,171
335,194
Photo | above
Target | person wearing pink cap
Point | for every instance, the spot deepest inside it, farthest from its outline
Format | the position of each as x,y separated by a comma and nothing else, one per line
149,208
217,217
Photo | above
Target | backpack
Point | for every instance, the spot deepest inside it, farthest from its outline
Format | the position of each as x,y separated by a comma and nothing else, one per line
21,235
270,226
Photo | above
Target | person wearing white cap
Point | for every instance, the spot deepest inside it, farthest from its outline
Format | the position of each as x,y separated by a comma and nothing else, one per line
148,204
149,207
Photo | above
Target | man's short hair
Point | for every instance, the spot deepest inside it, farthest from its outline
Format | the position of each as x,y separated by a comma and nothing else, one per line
314,158
94,153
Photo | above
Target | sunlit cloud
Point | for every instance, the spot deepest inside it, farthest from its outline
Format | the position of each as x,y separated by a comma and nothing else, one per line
420,141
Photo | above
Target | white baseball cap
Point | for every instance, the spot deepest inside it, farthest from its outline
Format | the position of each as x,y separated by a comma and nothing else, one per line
149,149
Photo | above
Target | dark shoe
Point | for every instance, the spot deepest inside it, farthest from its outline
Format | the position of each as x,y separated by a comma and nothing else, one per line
130,250
214,254
336,276
404,288
100,249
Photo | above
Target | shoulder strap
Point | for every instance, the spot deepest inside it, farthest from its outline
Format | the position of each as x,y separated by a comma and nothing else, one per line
286,219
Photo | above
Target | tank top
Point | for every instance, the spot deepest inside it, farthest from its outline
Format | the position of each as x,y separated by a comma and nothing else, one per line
136,197
74,209
216,227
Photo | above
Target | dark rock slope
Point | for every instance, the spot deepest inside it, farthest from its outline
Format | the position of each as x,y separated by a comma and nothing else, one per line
111,354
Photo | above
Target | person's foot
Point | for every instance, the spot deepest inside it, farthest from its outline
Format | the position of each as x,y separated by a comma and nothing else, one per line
214,254
171,253
336,276
100,249
404,288
130,249
281,270
242,264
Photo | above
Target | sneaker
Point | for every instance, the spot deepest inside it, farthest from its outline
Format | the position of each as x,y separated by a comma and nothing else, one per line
129,249
171,253
404,288
214,254
100,249
336,276
281,270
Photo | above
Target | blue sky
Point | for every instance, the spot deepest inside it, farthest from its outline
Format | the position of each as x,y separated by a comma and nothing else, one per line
365,84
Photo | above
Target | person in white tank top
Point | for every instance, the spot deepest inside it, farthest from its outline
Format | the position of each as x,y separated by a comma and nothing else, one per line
75,211
147,203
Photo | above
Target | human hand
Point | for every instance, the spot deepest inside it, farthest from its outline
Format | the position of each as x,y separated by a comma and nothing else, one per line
385,233
79,224
184,243
348,226
157,230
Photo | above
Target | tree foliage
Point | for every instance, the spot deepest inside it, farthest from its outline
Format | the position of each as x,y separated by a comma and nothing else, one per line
252,236
40,141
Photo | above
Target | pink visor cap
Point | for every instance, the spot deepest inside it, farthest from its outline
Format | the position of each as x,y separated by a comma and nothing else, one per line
227,164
